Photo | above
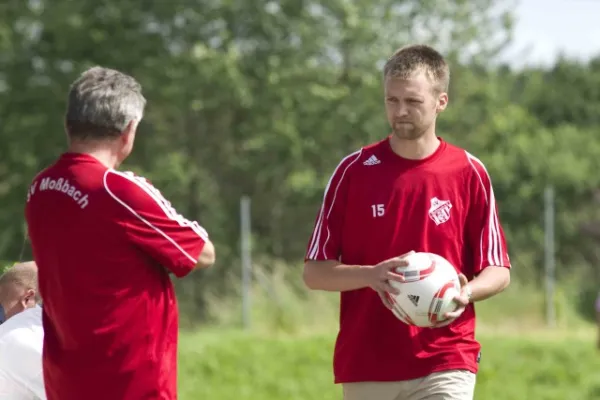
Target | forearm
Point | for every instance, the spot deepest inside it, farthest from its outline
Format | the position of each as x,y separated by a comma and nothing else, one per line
491,281
334,276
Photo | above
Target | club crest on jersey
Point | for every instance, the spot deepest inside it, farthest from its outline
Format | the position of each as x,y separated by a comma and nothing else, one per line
439,212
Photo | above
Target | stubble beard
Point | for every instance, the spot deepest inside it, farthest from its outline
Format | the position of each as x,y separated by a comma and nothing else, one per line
412,133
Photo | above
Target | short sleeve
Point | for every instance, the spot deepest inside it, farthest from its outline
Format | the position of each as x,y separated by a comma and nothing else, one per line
326,239
154,225
485,234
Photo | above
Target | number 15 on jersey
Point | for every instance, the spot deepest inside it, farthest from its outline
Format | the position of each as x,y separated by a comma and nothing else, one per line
378,210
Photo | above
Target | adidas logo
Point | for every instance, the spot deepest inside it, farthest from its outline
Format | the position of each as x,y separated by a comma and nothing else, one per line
413,299
372,161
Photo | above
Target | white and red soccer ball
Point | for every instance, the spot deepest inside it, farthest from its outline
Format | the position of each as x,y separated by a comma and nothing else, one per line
431,283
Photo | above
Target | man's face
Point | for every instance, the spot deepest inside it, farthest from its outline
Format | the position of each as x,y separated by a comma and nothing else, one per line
15,299
412,105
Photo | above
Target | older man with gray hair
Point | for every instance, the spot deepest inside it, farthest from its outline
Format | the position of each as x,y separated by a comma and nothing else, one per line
21,335
105,242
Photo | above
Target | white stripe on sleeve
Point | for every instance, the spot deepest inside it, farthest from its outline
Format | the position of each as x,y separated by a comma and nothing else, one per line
162,203
495,251
315,245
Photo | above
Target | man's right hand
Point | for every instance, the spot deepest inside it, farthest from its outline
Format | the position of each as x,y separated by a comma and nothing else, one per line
383,273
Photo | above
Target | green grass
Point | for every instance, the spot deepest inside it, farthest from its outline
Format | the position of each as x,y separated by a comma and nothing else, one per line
237,366
233,365
562,368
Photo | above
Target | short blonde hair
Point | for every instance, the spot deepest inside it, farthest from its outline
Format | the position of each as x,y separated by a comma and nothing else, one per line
23,275
410,59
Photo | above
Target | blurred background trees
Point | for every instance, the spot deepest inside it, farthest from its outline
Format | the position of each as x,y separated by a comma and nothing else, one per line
262,98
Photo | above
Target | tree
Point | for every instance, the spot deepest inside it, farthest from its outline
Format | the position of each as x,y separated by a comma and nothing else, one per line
245,97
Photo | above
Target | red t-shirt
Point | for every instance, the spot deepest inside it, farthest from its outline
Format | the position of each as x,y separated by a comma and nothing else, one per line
104,242
378,205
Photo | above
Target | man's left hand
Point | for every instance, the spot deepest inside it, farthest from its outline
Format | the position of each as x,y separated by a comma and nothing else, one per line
462,301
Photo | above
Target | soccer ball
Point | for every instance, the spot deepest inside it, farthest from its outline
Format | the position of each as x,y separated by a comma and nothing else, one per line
431,283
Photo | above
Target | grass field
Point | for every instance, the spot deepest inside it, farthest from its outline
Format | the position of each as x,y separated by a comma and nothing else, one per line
288,353
233,365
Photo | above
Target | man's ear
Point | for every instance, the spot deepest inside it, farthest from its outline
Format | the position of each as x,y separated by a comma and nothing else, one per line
128,135
442,102
29,298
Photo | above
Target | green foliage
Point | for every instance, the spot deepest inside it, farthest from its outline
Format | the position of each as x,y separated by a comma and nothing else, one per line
4,265
263,98
281,304
225,365
567,93
586,299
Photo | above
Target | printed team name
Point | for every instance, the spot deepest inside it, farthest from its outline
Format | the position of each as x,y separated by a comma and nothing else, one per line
60,185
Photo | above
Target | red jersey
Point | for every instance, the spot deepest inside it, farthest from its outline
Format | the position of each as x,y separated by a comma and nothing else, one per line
104,242
378,205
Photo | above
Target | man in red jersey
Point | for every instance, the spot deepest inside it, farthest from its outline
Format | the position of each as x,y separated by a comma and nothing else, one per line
411,191
105,243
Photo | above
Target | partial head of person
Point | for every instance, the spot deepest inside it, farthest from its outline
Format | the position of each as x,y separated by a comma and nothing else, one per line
416,80
19,289
104,109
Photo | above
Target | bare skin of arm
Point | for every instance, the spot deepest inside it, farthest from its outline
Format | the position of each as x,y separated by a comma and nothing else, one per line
207,257
491,281
333,276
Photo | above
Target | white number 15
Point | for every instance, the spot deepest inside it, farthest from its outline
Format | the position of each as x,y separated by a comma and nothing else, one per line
378,210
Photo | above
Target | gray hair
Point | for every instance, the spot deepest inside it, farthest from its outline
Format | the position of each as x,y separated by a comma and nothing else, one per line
102,103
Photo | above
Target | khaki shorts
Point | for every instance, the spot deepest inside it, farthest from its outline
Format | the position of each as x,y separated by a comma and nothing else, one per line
446,385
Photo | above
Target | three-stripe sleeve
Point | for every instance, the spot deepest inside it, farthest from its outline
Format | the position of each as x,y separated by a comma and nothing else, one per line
486,235
153,225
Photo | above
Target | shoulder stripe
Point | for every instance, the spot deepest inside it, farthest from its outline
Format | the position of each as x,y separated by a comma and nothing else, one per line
315,247
163,203
473,161
201,232
495,253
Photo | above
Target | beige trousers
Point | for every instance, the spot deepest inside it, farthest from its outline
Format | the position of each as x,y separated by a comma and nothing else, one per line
445,385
